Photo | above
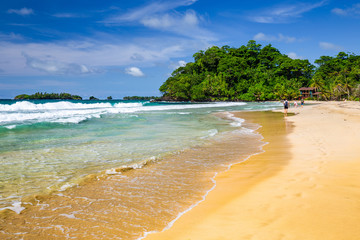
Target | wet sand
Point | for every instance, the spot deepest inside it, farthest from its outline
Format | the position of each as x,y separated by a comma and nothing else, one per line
306,185
128,204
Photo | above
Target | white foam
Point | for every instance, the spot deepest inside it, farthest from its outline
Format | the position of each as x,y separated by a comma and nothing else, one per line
28,106
211,133
67,112
72,216
66,186
237,122
16,207
112,171
187,106
115,171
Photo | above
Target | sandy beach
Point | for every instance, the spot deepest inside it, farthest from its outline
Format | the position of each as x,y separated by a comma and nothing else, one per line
306,184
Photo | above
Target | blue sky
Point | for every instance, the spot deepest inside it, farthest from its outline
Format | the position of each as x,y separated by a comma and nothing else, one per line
124,48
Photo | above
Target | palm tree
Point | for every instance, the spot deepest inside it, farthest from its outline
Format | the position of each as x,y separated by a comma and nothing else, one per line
337,90
317,82
345,81
327,92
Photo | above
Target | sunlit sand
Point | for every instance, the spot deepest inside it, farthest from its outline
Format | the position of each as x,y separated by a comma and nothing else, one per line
304,186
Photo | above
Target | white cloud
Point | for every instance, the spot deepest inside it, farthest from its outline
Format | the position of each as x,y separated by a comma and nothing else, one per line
283,14
176,65
159,15
56,67
148,10
186,24
67,57
134,71
330,46
182,63
293,55
352,11
167,21
271,38
23,11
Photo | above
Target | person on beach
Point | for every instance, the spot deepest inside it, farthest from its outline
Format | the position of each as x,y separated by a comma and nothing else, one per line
286,106
302,102
295,104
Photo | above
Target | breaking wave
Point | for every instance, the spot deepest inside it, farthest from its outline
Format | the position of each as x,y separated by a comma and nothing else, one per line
24,112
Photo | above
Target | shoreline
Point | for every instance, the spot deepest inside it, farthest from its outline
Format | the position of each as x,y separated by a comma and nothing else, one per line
312,195
140,201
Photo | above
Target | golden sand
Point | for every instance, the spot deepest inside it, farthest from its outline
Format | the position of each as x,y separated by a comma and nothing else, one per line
306,185
124,206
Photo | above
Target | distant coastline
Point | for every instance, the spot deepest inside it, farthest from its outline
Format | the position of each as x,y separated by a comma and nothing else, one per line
40,95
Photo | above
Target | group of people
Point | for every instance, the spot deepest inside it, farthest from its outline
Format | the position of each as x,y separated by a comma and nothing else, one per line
287,105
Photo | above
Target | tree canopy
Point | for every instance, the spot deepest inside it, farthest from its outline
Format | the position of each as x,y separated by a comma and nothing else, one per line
252,72
40,95
140,98
338,77
248,73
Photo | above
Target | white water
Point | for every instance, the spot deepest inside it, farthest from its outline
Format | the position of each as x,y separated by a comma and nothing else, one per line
67,112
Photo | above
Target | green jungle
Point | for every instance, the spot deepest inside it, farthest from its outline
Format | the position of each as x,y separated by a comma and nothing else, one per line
256,73
40,95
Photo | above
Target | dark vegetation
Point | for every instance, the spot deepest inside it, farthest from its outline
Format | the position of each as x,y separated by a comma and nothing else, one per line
140,98
40,95
252,72
338,77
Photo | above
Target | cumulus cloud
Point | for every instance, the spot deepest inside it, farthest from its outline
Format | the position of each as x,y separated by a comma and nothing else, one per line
23,11
272,38
134,71
330,46
284,13
352,11
56,67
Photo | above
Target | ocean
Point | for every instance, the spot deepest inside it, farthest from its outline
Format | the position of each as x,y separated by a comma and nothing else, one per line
113,169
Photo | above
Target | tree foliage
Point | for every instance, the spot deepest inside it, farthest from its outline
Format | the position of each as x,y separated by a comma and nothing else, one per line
247,73
40,95
338,77
140,98
93,98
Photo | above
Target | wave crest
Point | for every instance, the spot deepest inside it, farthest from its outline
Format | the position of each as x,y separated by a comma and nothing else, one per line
25,112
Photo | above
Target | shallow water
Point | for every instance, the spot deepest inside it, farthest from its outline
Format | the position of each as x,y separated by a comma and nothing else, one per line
174,151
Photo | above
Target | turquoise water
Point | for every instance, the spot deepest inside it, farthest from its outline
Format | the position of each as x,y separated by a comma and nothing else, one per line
52,145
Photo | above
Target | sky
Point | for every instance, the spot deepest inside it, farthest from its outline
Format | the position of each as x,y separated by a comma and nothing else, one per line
127,48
